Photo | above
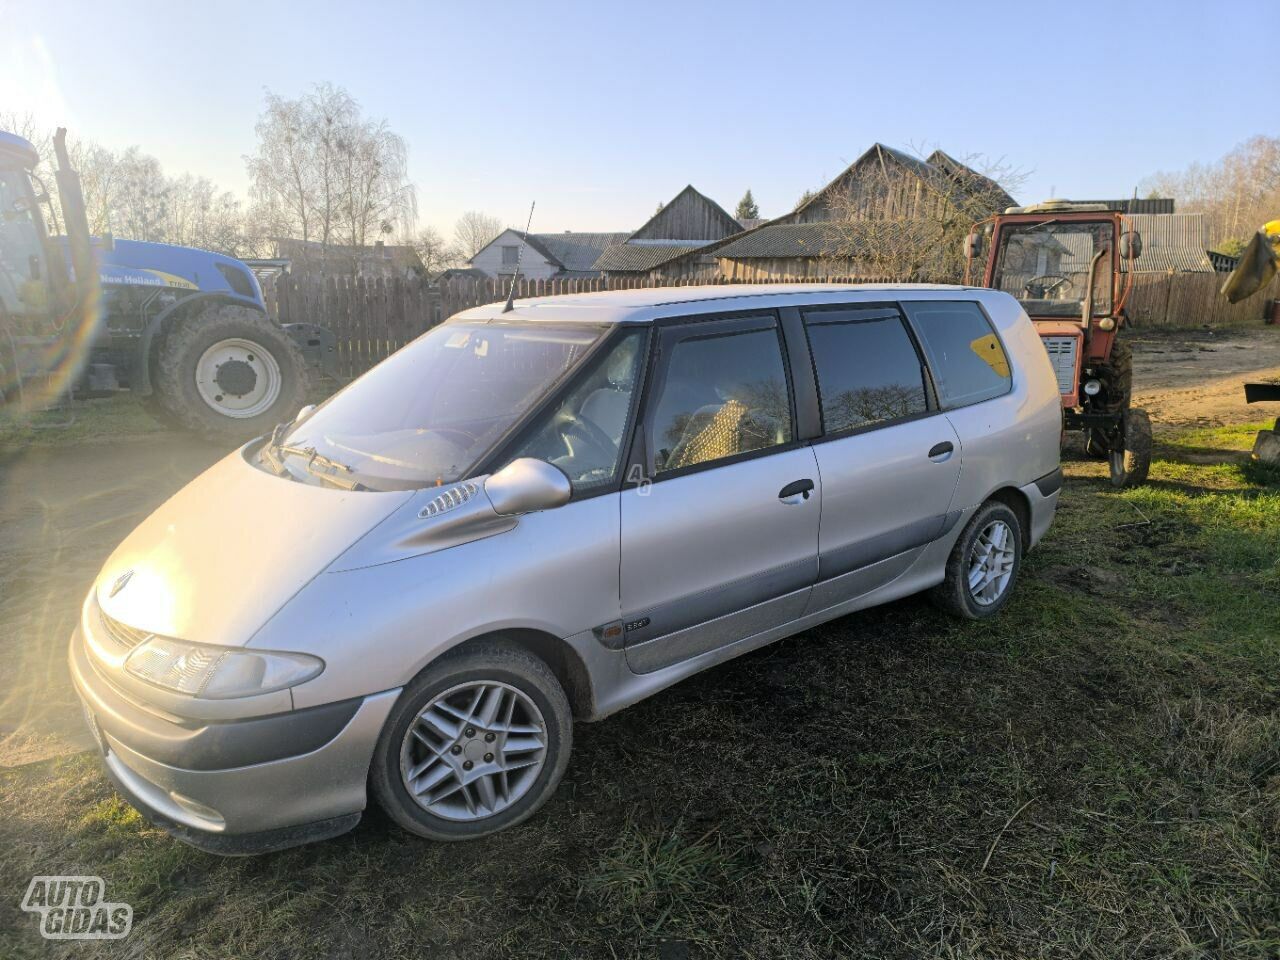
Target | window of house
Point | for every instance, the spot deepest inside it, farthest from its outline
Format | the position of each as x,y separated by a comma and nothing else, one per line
868,369
723,395
968,361
510,255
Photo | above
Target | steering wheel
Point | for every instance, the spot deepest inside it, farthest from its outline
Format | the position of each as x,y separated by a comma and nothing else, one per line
588,435
1047,283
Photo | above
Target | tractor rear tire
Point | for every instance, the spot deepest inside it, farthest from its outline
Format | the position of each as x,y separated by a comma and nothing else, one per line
1129,467
228,372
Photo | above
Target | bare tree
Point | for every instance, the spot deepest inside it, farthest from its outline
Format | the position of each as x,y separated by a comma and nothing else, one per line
434,252
906,219
324,172
1237,193
474,231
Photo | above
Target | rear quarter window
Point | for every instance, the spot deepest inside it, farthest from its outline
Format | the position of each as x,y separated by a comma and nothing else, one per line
968,361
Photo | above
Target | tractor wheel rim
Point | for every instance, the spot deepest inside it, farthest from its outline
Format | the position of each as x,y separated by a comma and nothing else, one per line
238,378
991,563
473,751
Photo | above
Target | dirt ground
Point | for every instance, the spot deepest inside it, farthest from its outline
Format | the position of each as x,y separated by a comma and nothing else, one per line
1196,378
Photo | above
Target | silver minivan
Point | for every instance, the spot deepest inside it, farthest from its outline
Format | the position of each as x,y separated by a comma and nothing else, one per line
541,514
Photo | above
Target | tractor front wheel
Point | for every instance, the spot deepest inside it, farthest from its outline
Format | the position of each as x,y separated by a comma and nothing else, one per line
230,372
1131,462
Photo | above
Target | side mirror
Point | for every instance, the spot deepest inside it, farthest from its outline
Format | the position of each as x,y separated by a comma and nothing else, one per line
973,246
1130,245
526,485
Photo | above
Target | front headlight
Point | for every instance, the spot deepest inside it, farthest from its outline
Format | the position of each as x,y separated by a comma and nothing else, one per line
218,673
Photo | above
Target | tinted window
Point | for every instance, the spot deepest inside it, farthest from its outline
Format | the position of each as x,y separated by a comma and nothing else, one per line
868,369
583,435
722,396
969,364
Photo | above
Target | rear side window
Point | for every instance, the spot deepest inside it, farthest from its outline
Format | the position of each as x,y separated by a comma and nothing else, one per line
969,363
868,369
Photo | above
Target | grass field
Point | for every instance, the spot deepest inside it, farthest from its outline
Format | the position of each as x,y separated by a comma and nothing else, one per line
1096,773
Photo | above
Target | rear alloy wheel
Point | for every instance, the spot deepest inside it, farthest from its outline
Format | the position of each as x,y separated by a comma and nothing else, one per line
1131,464
229,371
984,563
477,743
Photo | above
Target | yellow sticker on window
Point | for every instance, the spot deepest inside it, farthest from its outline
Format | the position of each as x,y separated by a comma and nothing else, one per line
988,348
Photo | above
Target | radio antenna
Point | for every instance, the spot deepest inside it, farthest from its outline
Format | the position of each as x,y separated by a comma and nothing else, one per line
511,294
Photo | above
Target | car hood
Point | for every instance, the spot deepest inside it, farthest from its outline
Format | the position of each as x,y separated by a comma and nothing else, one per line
221,556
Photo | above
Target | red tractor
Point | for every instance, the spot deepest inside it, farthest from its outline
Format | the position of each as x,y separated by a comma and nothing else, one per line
1064,262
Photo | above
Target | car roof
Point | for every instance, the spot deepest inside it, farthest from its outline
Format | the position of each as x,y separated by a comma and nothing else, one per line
646,304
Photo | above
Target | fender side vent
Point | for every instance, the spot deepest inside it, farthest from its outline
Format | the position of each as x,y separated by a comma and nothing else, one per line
455,496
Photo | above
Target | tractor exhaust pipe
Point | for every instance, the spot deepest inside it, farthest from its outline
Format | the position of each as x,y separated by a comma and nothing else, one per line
77,223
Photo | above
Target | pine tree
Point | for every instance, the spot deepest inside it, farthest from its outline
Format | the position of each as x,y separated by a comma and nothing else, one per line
747,209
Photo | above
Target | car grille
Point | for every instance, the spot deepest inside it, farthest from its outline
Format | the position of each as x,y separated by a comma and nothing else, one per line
1062,354
126,636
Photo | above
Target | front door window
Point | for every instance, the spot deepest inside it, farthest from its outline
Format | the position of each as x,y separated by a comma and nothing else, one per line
723,395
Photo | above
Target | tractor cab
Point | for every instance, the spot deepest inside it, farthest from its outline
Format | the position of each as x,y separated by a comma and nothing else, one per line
43,298
1065,263
29,264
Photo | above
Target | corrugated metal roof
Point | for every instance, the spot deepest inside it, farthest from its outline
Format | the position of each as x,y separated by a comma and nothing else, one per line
632,257
1171,242
576,251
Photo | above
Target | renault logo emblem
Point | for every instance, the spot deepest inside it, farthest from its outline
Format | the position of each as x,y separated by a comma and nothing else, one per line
121,582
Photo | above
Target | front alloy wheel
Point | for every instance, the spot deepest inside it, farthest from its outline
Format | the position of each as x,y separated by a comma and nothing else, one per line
473,751
476,743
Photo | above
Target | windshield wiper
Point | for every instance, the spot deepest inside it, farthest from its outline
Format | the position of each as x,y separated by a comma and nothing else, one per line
275,450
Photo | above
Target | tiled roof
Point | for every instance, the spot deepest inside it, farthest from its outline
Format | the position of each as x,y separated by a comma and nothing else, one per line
575,251
786,240
633,257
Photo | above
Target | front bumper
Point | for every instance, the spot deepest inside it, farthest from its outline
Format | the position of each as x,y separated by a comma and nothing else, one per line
238,786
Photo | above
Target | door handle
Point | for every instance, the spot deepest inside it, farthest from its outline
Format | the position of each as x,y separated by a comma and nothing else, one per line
796,492
941,452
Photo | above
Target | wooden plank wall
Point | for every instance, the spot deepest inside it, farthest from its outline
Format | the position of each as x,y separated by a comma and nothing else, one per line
371,319
1191,300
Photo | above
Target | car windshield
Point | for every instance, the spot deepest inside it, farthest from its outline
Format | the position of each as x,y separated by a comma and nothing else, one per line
1046,266
428,413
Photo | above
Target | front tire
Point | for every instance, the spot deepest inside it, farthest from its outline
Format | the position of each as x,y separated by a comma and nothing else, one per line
228,371
984,563
477,743
1130,466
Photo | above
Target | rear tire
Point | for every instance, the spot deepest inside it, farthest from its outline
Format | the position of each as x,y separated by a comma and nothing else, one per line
1130,466
984,563
418,775
228,371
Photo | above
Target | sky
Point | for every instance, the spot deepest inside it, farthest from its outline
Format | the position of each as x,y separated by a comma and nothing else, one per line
598,111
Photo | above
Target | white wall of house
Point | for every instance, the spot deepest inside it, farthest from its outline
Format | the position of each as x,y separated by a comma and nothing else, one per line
498,259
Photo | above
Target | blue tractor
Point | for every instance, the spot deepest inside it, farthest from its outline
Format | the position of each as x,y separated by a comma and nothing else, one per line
186,329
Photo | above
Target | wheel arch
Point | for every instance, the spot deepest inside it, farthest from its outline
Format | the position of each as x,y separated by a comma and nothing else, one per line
1017,501
569,668
149,342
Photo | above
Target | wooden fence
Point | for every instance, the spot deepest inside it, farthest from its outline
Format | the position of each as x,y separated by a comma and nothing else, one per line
373,318
1191,300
